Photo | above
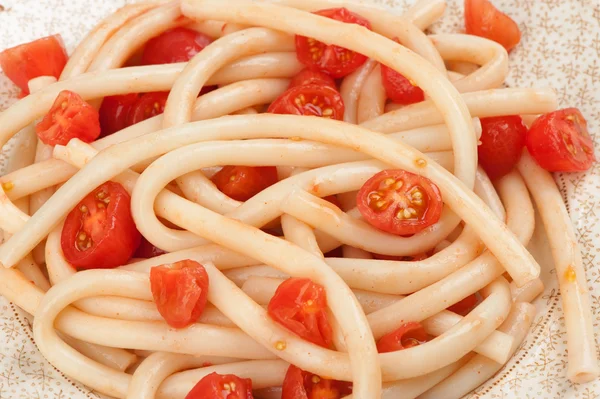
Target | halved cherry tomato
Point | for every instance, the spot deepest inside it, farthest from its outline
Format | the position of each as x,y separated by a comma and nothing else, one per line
146,250
412,258
406,336
400,202
70,117
310,77
485,20
217,386
300,384
334,60
502,143
560,142
147,106
400,89
464,306
114,111
301,306
99,233
310,100
42,57
175,45
179,291
244,182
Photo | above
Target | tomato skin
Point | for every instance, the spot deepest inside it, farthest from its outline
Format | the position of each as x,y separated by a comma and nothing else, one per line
334,60
218,386
147,106
400,89
42,57
99,233
399,202
464,306
406,336
146,250
180,291
244,182
299,384
70,117
301,306
310,77
502,143
310,100
175,45
485,20
114,111
560,142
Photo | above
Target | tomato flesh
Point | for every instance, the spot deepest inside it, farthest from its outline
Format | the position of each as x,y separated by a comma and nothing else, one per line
502,143
243,182
485,20
560,142
147,106
217,386
42,57
175,45
146,250
301,306
399,89
310,100
114,112
310,77
99,233
406,336
333,60
179,291
299,384
400,202
70,117
464,306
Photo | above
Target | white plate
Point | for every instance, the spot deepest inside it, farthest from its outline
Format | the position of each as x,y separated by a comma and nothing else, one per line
560,49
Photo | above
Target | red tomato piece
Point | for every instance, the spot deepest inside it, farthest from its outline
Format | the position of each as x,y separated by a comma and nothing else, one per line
175,45
310,100
400,202
217,386
485,20
114,111
42,57
301,306
334,60
502,143
99,233
147,106
406,336
464,306
310,77
299,384
244,182
560,142
333,199
179,290
70,117
146,250
412,258
400,89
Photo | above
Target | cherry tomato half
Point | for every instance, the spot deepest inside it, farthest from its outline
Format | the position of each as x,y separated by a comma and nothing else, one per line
175,45
334,60
502,143
99,233
146,250
179,291
299,384
406,336
114,111
485,20
310,77
310,100
464,306
217,386
560,142
70,117
244,182
42,57
400,202
400,89
301,306
147,106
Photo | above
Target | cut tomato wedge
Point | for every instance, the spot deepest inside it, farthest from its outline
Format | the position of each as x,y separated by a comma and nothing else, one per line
147,106
406,336
114,112
310,77
464,306
399,89
99,233
502,143
485,20
217,386
42,57
310,100
299,384
175,45
180,291
244,182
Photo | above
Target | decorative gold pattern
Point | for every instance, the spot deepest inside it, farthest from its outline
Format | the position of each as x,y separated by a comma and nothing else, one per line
560,49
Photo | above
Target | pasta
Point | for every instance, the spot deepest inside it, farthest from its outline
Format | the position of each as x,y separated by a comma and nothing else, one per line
285,196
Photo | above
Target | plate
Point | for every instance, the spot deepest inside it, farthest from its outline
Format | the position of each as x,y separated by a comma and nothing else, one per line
560,49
